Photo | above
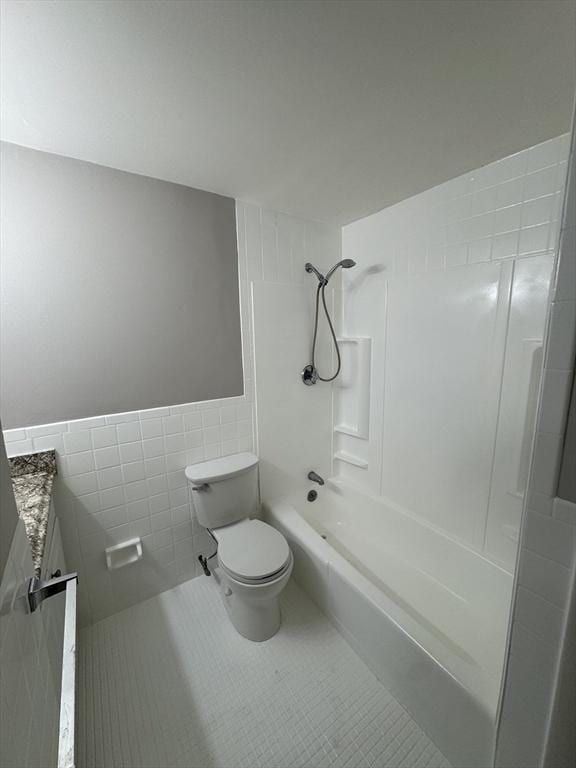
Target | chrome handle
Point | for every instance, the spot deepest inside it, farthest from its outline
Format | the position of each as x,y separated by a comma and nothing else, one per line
203,487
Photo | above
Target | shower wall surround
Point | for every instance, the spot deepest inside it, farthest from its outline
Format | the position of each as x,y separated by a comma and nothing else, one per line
121,475
452,286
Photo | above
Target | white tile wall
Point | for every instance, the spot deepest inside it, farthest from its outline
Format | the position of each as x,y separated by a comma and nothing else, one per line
122,476
294,421
547,558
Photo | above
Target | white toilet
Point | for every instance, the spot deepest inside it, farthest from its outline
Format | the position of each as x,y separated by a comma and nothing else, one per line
254,559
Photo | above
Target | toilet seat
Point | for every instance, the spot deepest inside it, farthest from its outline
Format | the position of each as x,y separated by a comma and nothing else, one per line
252,552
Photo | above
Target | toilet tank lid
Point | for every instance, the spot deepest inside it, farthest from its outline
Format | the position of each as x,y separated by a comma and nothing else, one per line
221,469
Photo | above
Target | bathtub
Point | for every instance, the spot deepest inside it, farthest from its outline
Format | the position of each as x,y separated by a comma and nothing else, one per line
426,613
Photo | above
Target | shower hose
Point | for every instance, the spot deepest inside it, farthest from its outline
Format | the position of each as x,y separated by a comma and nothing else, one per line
321,293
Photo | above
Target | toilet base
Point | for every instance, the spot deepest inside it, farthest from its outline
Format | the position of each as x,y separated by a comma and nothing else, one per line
254,610
256,622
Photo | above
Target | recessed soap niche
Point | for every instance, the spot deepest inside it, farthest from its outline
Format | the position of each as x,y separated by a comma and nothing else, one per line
123,554
352,395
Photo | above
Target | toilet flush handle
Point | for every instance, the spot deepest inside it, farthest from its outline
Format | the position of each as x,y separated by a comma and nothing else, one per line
203,487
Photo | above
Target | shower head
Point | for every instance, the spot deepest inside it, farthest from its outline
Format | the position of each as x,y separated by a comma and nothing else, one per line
345,264
323,280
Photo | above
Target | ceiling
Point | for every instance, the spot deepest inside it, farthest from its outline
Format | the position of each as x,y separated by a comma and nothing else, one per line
330,110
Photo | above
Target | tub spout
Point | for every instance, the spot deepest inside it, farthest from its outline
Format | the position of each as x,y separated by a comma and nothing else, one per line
315,477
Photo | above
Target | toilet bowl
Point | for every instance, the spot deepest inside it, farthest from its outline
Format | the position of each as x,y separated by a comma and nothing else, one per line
254,559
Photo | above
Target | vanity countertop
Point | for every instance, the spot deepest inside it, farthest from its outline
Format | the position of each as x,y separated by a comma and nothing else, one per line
32,479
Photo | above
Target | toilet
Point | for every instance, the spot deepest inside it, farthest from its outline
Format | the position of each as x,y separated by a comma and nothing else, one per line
254,559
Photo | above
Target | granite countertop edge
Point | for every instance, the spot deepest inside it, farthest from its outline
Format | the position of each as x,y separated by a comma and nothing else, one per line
32,479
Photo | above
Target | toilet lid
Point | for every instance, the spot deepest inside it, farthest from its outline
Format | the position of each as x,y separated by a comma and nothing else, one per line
251,549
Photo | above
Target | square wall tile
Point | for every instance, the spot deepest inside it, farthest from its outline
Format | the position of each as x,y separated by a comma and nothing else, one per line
212,435
157,484
107,478
228,413
155,466
136,491
111,518
131,452
153,448
175,443
79,484
130,432
106,457
210,418
159,503
151,428
104,437
76,442
173,425
192,420
78,463
133,471
112,497
175,461
137,509
193,439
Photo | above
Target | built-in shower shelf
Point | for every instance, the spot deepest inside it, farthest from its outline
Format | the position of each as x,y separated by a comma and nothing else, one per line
346,429
349,458
352,392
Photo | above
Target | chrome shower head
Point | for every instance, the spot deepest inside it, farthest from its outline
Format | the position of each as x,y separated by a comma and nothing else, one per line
345,264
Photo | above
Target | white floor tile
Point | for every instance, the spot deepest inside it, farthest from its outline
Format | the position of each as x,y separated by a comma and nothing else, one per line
169,683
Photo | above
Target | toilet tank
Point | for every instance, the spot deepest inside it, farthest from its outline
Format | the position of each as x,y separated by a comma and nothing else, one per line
224,490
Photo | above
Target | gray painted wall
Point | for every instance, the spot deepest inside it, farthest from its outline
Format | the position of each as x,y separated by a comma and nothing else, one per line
119,292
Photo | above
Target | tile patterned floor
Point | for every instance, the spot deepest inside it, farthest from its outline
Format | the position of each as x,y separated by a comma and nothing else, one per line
169,683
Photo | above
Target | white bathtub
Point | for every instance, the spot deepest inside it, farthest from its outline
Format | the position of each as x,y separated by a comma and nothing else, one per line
426,613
